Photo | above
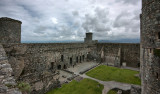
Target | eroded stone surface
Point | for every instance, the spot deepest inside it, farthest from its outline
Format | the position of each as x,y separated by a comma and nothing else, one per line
5,75
150,45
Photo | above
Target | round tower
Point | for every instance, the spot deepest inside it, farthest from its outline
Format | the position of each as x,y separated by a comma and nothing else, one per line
150,46
10,30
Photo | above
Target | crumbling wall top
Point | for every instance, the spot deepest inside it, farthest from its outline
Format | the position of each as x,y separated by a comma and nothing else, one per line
9,19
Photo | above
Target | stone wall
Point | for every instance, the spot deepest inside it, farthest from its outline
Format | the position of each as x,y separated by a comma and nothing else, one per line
150,45
135,89
6,79
37,64
128,53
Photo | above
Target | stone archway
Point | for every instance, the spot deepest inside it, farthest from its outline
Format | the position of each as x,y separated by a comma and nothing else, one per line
83,57
62,58
64,67
71,61
52,65
77,59
80,59
59,67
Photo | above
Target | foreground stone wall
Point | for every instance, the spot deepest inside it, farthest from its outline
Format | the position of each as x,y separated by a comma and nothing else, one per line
135,89
37,64
6,79
128,53
150,46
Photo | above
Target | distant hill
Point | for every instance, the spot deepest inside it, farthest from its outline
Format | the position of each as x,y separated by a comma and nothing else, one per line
120,41
100,41
66,41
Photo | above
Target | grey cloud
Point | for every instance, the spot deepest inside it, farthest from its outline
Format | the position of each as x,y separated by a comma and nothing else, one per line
75,13
40,29
129,1
127,21
97,22
78,17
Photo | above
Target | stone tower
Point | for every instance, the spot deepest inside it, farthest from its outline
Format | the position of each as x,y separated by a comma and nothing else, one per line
88,38
10,30
150,46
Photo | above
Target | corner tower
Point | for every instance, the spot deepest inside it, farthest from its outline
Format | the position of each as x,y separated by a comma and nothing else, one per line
10,30
150,46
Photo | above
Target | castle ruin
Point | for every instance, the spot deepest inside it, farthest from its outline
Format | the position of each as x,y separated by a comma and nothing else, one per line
150,46
38,63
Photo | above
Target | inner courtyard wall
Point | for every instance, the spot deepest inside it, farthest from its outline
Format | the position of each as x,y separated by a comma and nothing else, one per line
129,53
38,64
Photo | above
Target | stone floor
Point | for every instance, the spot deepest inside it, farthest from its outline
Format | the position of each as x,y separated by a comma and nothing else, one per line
63,76
81,67
76,69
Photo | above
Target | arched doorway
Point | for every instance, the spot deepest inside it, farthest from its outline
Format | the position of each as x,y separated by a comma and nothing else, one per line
62,58
70,61
77,59
59,67
52,65
80,59
83,57
64,67
138,64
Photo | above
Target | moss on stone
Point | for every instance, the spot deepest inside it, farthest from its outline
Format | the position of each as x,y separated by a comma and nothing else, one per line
24,87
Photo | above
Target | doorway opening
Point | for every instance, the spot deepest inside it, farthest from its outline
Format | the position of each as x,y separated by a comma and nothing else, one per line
52,65
70,61
59,67
83,57
64,67
62,58
77,59
80,59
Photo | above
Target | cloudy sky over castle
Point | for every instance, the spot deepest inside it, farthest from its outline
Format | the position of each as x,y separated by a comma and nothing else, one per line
50,20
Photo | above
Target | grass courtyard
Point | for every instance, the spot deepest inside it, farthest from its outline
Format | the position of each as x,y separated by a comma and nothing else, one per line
106,73
85,86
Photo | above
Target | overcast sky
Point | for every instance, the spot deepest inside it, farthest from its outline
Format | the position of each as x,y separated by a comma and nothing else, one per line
58,20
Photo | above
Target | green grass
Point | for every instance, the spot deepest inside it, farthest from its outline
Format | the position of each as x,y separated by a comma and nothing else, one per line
106,73
112,92
85,86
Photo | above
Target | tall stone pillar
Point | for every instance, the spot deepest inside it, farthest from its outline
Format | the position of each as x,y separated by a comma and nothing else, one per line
150,46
